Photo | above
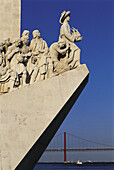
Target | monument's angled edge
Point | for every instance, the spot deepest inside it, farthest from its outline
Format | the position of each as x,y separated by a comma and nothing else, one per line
38,87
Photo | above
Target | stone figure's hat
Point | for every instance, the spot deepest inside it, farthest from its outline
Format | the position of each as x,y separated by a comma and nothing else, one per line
64,14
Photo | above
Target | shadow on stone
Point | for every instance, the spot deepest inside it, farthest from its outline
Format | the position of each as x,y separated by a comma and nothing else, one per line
34,154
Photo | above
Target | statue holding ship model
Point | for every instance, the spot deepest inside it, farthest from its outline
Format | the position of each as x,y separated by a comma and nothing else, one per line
22,64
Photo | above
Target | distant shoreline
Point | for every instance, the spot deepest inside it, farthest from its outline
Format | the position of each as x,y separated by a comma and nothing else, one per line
83,163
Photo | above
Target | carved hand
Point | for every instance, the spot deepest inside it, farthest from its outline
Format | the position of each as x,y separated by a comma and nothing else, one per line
36,53
17,50
29,54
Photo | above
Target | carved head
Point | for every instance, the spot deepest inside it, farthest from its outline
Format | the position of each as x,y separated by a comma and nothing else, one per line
7,41
26,33
64,15
17,42
61,43
36,33
24,40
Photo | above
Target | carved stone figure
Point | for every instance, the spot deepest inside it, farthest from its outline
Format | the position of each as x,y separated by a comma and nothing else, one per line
7,76
38,46
26,34
40,51
43,67
58,51
7,43
2,55
70,38
23,62
32,69
31,60
3,71
25,39
17,62
50,67
25,49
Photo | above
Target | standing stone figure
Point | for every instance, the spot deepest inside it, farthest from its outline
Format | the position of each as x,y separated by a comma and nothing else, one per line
39,49
70,38
38,45
31,60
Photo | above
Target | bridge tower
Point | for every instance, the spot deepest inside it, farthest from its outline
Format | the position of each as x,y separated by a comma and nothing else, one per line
65,147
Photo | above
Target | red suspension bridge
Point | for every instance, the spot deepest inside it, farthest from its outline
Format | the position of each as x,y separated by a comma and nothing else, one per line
70,143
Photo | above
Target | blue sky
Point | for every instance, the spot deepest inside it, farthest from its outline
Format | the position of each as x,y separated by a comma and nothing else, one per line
92,116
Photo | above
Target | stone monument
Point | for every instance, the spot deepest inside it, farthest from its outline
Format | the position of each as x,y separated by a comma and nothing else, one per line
38,87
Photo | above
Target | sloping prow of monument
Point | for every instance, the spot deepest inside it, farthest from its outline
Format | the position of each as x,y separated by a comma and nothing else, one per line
30,117
36,151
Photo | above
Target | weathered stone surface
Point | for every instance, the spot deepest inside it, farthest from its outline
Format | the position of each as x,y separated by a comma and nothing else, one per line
30,116
10,15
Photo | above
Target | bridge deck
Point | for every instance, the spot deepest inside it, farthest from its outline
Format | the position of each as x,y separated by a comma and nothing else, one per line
78,150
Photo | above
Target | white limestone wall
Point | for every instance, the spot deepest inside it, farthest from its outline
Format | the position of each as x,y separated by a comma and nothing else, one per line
10,19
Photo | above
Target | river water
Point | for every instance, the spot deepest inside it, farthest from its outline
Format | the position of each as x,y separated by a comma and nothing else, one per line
55,166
